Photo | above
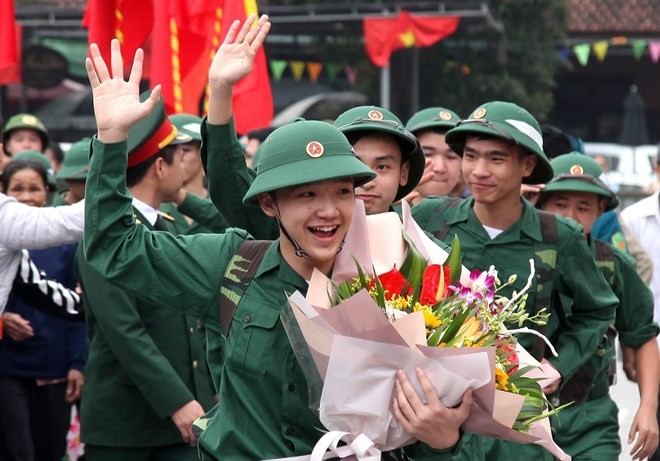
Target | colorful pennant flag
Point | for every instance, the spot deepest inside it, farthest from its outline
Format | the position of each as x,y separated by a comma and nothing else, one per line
563,53
638,47
332,69
10,50
582,51
277,68
314,70
600,49
654,50
297,69
351,74
383,36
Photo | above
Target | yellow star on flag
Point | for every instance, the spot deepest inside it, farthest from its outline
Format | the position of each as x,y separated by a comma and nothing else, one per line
407,38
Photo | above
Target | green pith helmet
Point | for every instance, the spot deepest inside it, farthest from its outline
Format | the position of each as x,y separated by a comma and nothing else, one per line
188,124
152,134
510,122
432,117
35,156
575,172
27,122
76,162
304,152
364,119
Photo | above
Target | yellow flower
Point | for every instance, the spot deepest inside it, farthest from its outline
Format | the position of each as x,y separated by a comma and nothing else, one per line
431,320
501,379
471,328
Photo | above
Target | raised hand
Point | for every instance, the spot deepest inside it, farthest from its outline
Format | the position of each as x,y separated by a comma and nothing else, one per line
235,57
117,104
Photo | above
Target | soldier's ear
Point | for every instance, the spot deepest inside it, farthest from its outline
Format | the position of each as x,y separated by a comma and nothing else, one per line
267,204
529,163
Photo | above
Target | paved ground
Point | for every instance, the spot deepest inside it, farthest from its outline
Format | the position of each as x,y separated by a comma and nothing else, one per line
626,395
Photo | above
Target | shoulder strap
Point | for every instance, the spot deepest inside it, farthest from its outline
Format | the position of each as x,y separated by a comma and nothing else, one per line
237,277
605,260
545,261
443,224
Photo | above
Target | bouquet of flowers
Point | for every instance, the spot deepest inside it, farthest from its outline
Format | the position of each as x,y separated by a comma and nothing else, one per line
372,319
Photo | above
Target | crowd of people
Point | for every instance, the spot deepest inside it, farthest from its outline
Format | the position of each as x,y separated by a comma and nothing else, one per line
119,296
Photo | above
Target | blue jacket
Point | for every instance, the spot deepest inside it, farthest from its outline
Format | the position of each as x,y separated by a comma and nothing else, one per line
57,345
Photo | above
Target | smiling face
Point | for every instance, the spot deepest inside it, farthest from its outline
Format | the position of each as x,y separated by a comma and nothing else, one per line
582,207
382,153
24,139
494,169
28,187
316,216
445,165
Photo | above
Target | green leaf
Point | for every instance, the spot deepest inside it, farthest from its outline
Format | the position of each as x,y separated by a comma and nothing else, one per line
413,268
455,261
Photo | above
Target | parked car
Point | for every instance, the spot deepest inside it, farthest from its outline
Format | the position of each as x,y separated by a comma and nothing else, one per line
628,166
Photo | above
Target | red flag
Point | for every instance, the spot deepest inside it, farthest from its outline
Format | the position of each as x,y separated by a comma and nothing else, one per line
10,51
129,21
383,36
179,56
253,99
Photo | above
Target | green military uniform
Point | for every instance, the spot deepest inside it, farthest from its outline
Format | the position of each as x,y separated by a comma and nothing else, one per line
206,217
589,429
263,395
74,168
145,362
568,282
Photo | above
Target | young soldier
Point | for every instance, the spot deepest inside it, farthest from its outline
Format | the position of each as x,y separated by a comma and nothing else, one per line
501,146
192,199
430,126
147,378
589,429
74,171
306,179
24,132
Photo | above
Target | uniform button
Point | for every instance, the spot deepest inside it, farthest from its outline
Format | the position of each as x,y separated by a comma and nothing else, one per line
291,387
291,430
247,318
195,363
192,330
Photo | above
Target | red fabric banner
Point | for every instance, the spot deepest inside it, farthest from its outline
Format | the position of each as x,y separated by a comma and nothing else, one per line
383,36
10,51
128,20
253,99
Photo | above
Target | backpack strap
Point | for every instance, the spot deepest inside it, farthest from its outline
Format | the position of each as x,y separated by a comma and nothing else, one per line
545,261
237,278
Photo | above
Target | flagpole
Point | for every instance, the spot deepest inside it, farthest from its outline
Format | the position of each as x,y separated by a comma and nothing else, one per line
385,87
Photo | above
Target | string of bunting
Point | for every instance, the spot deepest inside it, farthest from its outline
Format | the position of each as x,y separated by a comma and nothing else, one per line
313,70
600,48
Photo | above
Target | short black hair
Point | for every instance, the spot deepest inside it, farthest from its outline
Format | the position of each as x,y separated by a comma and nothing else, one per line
19,165
58,153
136,173
260,134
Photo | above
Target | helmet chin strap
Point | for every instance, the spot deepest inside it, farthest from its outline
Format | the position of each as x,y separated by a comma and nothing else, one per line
297,248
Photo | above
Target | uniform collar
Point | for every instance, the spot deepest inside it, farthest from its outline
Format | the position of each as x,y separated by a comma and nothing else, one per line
273,260
528,224
147,211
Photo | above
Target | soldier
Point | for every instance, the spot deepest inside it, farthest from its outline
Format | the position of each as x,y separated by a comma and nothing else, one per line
192,199
147,378
380,141
501,146
306,178
589,429
74,171
430,126
24,132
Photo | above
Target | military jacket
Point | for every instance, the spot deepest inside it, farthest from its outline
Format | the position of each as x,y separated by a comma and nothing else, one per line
206,217
263,396
144,363
582,305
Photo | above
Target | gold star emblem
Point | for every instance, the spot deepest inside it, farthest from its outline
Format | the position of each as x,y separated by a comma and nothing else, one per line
577,169
479,113
375,115
314,149
444,115
29,120
407,38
